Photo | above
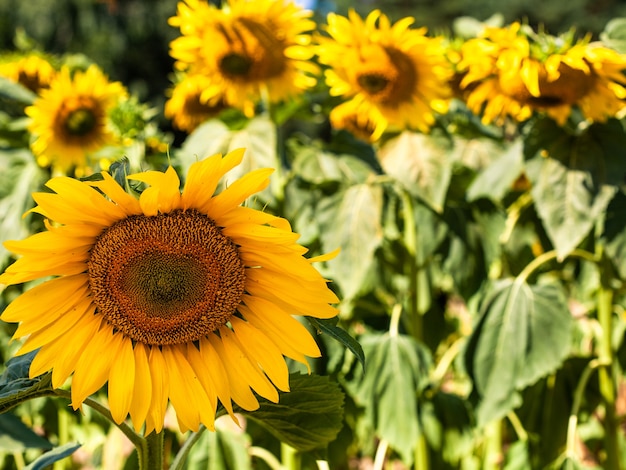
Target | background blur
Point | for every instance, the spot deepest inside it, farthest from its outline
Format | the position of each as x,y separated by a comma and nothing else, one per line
129,38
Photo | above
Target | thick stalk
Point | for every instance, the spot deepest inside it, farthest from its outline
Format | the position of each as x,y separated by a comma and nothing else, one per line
179,461
606,374
493,446
154,456
291,458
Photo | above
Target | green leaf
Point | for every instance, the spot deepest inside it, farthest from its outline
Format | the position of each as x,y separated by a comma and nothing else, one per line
614,234
15,385
15,436
397,371
329,326
224,449
421,163
517,456
351,220
497,178
574,178
524,333
52,456
614,35
306,418
15,92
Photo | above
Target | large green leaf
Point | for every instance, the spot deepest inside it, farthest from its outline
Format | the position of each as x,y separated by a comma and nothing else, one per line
397,371
524,333
421,163
16,92
497,178
15,436
351,220
574,177
308,417
16,386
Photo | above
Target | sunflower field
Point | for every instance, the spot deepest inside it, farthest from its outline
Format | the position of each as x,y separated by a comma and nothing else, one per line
316,236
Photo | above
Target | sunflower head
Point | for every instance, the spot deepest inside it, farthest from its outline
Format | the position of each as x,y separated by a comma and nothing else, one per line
395,74
514,72
70,119
248,50
170,297
185,108
32,71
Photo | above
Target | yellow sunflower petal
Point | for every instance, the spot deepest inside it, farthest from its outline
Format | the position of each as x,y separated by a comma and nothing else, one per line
163,194
142,389
121,378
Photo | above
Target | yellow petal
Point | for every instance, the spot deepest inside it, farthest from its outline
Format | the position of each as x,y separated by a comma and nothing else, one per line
160,390
92,369
239,387
244,369
163,194
142,390
116,193
218,376
121,377
240,190
261,350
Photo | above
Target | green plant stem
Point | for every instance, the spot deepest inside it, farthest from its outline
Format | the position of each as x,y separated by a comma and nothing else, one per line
549,256
394,322
422,461
180,458
154,455
138,441
518,426
493,446
570,449
606,374
267,457
514,212
63,432
291,458
381,455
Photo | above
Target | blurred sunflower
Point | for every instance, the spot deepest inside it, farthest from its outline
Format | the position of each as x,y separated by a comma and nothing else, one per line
346,116
69,119
513,72
31,71
185,108
186,298
249,50
395,75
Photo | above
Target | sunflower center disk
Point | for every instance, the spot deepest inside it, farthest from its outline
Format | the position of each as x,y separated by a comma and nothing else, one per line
166,279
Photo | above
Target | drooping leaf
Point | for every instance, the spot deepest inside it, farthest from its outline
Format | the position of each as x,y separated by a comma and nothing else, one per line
15,436
15,385
397,371
306,418
497,178
523,334
329,326
351,220
574,177
421,163
614,35
52,456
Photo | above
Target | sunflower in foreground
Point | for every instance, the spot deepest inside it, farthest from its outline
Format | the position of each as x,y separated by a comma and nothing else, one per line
249,50
184,298
31,71
184,106
394,75
512,72
70,119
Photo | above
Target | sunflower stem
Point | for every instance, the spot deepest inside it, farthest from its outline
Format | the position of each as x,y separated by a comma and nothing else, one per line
291,458
154,460
606,374
180,458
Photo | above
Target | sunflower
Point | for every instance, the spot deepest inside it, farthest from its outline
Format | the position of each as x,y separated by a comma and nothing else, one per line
513,72
346,117
31,71
185,108
395,75
69,119
184,298
249,50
